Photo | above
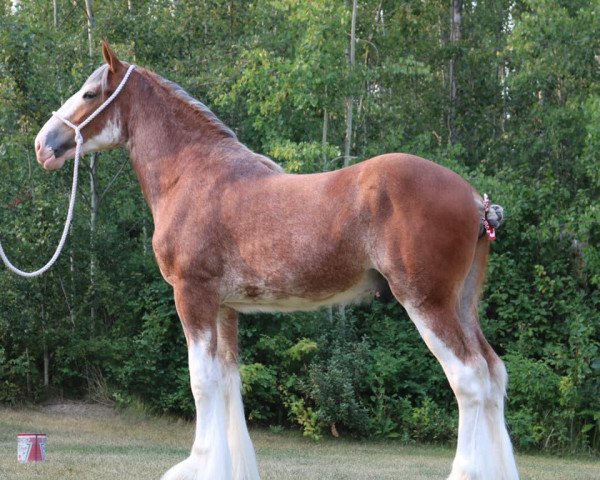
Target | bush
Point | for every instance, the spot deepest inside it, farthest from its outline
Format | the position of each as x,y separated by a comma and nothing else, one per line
157,373
260,390
430,423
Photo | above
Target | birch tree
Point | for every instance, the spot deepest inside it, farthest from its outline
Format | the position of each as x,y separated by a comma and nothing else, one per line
455,36
350,98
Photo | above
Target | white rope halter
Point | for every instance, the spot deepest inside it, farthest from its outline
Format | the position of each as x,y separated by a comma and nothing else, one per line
79,144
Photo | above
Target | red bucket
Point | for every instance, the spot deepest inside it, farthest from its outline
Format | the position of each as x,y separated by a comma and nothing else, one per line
31,447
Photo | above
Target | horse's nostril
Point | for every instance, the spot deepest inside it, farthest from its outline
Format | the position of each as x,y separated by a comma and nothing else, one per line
58,151
38,146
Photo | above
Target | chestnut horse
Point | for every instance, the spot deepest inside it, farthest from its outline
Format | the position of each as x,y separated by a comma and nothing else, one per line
234,233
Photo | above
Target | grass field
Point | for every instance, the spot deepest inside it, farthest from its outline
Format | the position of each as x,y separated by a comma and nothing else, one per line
91,442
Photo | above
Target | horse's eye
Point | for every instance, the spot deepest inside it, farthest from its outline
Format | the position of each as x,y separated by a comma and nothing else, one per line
89,95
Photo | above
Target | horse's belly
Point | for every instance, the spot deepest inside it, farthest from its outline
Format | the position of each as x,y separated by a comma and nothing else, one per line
255,299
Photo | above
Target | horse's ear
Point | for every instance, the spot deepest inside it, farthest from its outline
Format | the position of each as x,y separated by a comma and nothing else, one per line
110,57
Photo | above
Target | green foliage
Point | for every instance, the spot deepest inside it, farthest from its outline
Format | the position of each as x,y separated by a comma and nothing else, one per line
336,379
306,417
429,422
303,157
260,390
157,371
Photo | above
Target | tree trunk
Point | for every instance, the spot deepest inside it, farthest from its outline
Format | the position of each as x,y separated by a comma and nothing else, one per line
324,138
94,194
28,374
348,138
45,343
455,34
134,34
350,98
90,27
94,206
46,367
502,70
55,13
230,15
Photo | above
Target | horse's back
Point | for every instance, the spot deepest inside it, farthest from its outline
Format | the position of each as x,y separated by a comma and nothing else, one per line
414,177
418,196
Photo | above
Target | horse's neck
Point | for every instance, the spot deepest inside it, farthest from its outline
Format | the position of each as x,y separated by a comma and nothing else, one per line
165,149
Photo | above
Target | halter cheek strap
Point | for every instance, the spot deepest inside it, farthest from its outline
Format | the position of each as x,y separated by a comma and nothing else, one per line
106,103
78,145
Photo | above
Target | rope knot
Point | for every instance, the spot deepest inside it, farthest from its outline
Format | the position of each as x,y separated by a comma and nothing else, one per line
78,136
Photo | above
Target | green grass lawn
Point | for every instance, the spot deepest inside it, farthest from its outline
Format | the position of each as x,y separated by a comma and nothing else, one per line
96,443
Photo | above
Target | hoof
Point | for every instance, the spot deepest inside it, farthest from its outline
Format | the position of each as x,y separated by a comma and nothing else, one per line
467,472
191,469
182,471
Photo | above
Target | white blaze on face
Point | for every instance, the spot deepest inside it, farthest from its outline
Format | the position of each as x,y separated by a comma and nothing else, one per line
54,128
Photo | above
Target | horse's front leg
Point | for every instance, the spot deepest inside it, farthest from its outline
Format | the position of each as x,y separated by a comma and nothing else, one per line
210,458
242,452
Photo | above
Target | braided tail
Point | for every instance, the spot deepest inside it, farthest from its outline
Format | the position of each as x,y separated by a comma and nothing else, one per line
492,217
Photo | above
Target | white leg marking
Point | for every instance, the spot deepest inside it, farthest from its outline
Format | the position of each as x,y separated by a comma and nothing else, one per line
210,458
240,445
495,412
483,450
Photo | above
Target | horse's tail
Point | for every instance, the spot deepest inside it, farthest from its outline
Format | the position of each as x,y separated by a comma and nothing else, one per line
492,216
495,215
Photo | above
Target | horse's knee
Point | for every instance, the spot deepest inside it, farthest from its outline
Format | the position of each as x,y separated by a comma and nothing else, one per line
205,370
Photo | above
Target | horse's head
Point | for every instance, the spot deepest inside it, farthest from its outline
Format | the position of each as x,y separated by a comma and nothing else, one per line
55,143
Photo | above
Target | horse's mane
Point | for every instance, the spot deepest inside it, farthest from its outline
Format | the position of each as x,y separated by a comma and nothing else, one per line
205,113
175,91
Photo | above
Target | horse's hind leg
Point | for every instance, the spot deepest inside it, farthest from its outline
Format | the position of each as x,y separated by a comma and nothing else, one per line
242,452
478,379
503,457
449,326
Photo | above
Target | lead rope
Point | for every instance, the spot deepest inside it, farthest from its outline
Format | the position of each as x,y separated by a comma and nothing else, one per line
78,145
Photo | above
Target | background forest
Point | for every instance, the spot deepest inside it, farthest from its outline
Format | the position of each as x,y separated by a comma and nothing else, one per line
504,92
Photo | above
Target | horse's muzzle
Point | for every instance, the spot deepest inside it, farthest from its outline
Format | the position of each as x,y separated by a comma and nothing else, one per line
52,148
